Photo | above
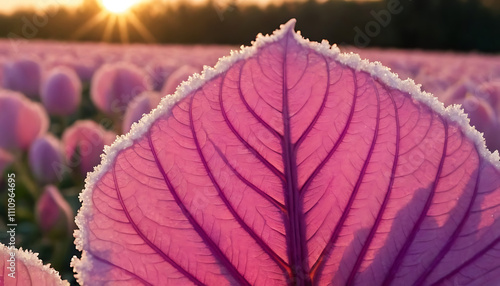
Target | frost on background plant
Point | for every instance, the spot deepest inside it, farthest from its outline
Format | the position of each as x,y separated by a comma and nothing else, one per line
28,269
290,163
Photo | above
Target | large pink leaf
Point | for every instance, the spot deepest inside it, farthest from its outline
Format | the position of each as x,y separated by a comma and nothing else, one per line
290,163
21,267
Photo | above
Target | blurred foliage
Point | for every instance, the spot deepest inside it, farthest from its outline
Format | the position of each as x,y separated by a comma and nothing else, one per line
57,245
426,24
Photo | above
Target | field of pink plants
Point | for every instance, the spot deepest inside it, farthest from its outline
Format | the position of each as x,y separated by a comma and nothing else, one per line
61,103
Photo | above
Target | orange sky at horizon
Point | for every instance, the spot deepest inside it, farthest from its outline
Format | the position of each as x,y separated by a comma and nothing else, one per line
8,6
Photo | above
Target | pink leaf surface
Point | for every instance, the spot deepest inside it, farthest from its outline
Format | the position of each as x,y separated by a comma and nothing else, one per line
21,267
293,164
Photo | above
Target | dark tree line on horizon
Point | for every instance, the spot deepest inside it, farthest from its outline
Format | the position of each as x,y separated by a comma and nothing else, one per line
462,25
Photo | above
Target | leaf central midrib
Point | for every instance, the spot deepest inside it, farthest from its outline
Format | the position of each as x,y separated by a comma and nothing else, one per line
296,246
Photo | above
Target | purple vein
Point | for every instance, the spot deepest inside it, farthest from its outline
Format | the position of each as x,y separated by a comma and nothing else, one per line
320,111
260,95
303,71
275,257
421,140
455,234
249,109
121,268
295,229
468,262
29,274
197,227
243,141
147,241
383,207
402,253
318,265
337,143
272,200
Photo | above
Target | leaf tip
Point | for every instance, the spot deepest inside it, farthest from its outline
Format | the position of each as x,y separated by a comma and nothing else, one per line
289,27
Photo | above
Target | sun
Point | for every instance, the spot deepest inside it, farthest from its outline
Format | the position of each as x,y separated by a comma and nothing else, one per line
118,6
118,18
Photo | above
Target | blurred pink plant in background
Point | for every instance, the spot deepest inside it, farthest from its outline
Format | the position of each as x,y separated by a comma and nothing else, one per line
61,91
139,106
53,209
23,75
178,76
159,72
114,86
84,143
21,120
46,159
490,91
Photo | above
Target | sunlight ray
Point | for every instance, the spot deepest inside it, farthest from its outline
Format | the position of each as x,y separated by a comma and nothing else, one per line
141,28
90,24
122,24
108,31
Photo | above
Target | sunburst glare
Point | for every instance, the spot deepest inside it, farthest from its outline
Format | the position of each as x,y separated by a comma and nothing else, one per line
118,15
